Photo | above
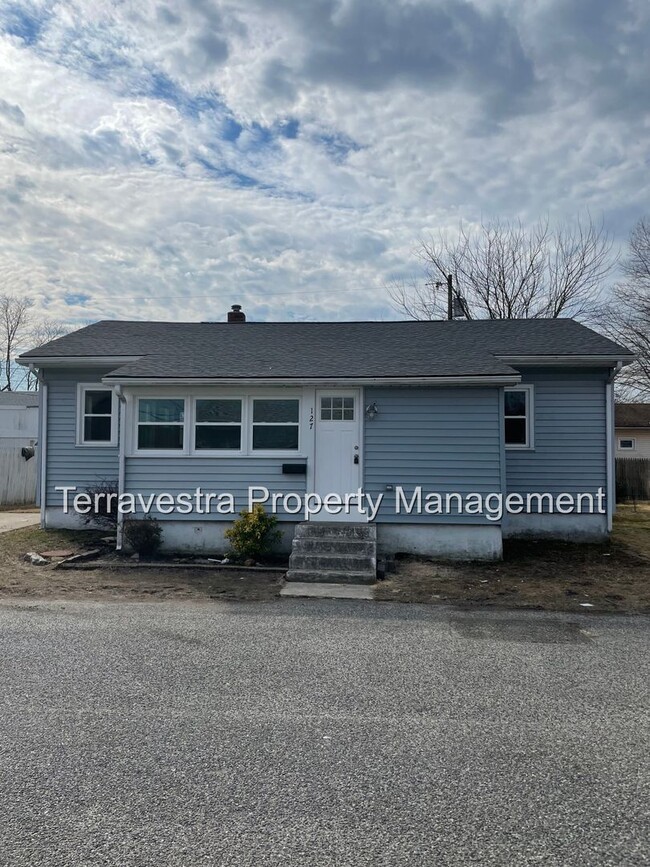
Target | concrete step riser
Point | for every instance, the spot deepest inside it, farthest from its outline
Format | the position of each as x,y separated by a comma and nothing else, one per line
330,577
336,531
337,562
325,545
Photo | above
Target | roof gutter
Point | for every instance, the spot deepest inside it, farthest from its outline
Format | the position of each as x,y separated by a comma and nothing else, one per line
568,360
280,382
76,360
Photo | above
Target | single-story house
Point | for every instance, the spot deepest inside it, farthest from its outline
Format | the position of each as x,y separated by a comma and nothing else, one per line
425,426
632,430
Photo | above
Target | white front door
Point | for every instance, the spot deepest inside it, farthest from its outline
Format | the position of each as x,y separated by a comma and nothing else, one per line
337,456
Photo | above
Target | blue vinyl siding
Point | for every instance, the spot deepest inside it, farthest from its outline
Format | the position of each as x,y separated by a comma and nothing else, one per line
444,439
570,446
67,463
229,475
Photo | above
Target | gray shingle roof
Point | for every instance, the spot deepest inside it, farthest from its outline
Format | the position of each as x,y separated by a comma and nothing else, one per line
286,350
18,398
632,415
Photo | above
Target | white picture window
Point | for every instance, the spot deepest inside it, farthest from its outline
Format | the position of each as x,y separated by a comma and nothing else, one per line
97,416
276,424
627,444
518,417
161,423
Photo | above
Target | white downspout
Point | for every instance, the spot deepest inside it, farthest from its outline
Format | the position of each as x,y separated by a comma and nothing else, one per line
611,461
121,469
42,447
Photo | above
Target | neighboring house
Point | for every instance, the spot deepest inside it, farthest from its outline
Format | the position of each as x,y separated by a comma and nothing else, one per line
19,425
633,430
466,407
18,418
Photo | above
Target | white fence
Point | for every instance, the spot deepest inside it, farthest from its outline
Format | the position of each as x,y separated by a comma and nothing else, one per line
17,477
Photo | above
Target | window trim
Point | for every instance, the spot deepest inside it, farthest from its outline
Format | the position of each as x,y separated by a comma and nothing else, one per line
81,442
529,445
631,448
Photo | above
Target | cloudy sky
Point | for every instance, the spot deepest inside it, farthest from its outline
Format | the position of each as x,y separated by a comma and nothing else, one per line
164,160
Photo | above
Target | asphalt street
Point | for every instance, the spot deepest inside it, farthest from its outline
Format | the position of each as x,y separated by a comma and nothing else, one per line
321,732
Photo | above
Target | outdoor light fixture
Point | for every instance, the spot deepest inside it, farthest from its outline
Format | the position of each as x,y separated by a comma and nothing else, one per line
371,410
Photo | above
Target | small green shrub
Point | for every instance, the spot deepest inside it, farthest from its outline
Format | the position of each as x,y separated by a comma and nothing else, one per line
253,533
143,535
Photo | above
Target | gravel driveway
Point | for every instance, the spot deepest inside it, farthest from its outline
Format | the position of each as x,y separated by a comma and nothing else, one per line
320,733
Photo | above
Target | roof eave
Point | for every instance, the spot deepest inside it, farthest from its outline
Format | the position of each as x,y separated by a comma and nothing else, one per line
487,379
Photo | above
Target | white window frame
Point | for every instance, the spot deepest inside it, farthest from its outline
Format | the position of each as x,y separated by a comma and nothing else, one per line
189,451
82,388
631,448
529,445
137,423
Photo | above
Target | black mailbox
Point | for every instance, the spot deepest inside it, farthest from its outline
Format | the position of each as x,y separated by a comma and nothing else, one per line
294,469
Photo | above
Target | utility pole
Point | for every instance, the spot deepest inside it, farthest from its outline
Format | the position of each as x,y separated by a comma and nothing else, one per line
450,296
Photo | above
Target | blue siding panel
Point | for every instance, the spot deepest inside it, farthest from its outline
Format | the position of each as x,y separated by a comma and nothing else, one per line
570,445
229,475
444,439
67,463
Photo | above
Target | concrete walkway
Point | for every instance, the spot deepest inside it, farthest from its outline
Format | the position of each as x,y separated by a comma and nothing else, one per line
16,520
322,590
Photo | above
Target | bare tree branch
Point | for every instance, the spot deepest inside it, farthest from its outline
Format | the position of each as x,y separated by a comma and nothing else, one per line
507,271
627,318
14,320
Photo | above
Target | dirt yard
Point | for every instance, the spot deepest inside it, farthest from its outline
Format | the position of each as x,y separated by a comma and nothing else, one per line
18,578
553,576
542,575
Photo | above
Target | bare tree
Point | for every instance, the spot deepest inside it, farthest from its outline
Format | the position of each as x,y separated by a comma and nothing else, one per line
39,334
627,318
14,322
19,330
506,271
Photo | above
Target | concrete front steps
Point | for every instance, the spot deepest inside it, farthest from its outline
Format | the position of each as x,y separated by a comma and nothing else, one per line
332,553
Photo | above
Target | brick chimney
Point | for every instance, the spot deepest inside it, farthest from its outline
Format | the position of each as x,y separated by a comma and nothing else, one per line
236,314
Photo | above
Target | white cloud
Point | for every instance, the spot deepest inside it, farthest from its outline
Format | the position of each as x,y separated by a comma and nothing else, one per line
127,181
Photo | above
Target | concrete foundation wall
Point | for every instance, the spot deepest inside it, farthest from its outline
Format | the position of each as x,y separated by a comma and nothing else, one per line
573,528
451,541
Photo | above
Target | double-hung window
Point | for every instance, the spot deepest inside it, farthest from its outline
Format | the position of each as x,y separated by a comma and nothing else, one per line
161,423
218,424
97,416
518,417
276,424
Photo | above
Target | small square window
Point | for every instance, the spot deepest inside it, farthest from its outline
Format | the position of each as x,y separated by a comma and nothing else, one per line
627,444
337,409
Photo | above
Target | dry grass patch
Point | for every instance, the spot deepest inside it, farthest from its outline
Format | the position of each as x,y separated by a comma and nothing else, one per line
18,578
554,576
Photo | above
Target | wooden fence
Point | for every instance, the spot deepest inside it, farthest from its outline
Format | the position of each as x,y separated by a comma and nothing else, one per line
17,477
632,479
